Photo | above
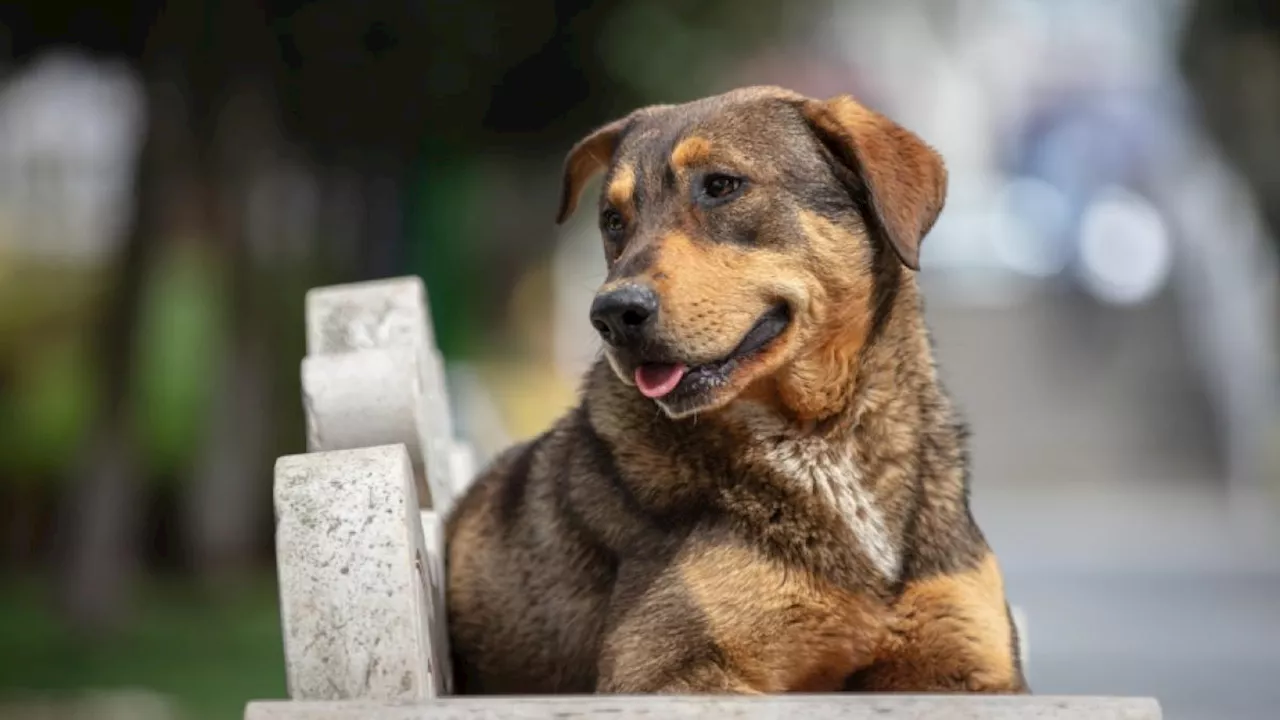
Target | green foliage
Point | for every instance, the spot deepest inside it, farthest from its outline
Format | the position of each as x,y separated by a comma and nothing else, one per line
55,388
209,656
669,51
444,213
181,342
48,411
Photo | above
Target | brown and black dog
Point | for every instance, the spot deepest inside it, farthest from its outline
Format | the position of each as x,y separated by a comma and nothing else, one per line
764,487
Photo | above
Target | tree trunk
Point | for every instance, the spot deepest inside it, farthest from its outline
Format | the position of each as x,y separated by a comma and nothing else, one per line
227,495
101,518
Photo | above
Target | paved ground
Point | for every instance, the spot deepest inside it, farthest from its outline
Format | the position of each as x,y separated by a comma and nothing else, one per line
1096,482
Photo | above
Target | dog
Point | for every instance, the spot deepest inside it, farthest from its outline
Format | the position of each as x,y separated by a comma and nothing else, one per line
764,486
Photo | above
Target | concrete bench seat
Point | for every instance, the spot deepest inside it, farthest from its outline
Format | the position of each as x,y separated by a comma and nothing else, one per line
788,707
359,549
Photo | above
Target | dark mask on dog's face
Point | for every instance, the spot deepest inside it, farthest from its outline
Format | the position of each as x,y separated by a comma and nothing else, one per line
749,237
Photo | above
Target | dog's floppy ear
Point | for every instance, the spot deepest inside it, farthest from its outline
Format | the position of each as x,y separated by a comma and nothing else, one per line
904,179
587,157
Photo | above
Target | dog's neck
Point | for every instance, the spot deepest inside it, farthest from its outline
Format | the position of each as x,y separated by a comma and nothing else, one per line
881,446
882,368
895,371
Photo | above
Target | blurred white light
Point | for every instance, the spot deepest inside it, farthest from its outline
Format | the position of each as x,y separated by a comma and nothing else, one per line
70,128
1125,253
1029,219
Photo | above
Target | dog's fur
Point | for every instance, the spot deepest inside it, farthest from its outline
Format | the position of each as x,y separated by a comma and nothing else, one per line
796,519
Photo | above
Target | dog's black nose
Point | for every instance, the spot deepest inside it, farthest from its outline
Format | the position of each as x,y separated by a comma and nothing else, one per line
622,315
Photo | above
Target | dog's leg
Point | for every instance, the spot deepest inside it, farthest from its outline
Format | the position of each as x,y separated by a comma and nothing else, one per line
950,633
720,618
705,679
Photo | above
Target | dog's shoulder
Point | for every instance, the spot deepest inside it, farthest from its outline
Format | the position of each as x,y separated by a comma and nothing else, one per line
941,535
592,480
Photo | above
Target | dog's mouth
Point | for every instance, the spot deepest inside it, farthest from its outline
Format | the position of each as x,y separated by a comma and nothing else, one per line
667,381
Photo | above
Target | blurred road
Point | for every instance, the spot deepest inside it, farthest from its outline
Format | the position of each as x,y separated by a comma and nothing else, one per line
1096,479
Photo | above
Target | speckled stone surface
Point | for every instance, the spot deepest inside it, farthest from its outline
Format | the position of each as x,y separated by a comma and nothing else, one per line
378,397
808,707
372,376
355,577
374,314
361,399
437,621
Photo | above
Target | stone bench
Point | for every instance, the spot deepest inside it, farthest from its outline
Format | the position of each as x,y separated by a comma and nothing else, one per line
800,707
359,545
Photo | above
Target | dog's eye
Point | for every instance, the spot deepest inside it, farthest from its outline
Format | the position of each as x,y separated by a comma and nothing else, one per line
611,222
718,187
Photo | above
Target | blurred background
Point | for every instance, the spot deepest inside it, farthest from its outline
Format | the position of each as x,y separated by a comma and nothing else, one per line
174,176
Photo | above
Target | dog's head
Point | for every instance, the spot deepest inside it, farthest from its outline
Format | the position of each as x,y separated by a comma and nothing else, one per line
752,239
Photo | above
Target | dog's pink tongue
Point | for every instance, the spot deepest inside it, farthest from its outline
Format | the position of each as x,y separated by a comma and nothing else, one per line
655,380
